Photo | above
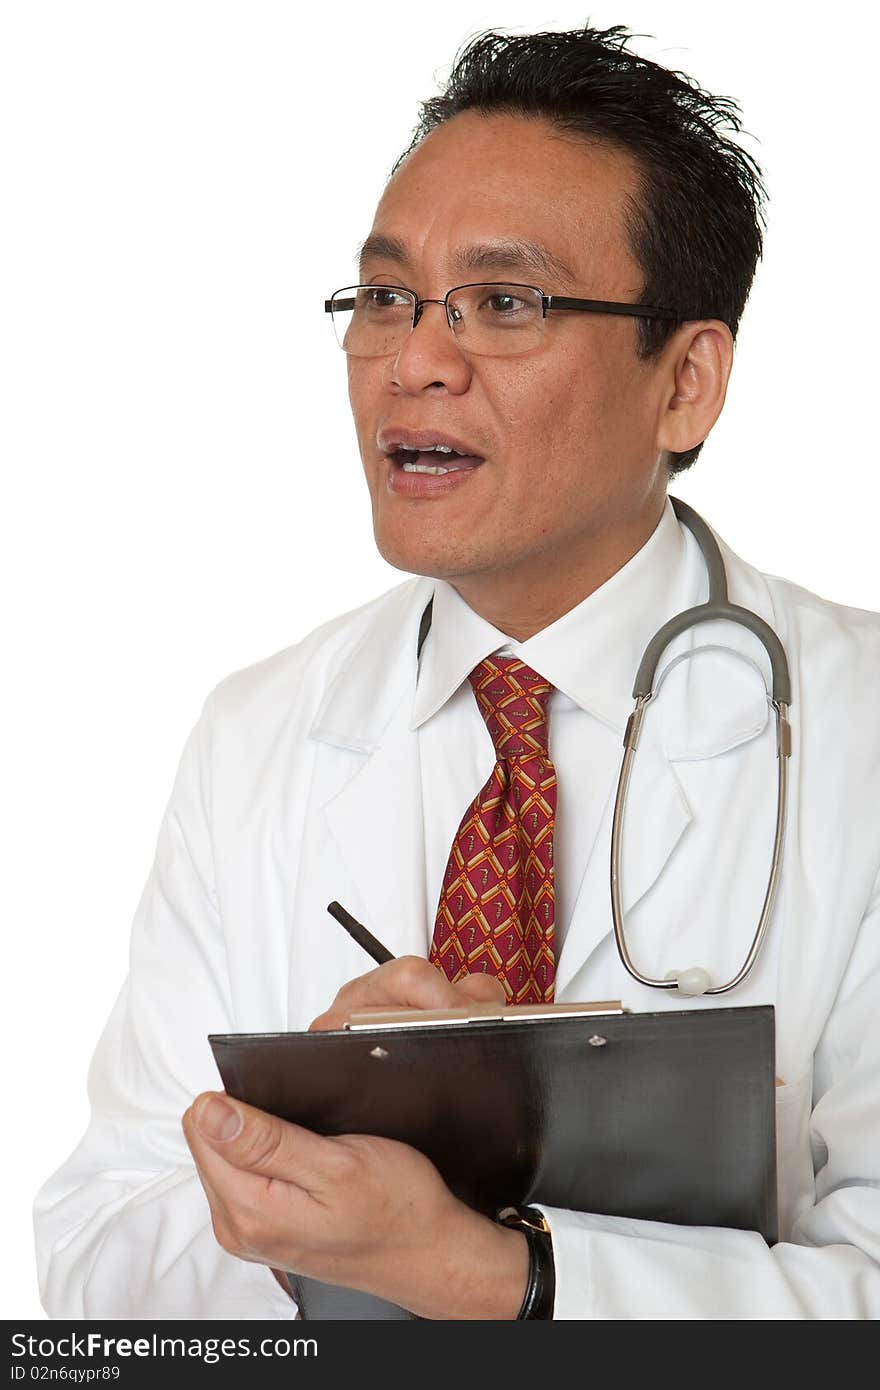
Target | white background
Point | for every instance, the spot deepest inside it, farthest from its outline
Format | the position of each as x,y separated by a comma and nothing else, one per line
182,183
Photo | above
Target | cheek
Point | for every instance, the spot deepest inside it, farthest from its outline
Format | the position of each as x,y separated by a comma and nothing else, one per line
578,412
364,390
575,437
552,417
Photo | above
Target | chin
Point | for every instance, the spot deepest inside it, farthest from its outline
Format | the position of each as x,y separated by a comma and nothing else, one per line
415,562
434,561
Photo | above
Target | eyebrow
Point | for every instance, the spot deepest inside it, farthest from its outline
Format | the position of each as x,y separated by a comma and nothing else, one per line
504,254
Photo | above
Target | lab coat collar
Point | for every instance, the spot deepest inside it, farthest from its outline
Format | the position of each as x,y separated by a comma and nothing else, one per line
376,674
591,653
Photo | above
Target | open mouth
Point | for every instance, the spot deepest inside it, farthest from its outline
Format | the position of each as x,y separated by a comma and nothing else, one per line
437,460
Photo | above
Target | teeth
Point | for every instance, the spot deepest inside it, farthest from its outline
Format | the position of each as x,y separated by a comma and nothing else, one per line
429,449
424,468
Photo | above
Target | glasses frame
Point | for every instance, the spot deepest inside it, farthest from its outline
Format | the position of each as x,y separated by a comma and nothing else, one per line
548,302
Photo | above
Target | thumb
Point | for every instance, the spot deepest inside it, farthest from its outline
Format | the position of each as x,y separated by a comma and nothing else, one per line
256,1141
483,989
216,1117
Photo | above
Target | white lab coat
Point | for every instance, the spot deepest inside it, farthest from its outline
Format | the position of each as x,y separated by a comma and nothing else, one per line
300,784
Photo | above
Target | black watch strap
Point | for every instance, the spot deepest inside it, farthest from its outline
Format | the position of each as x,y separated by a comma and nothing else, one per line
540,1292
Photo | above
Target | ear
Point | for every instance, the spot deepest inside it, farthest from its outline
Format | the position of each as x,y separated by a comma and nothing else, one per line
699,359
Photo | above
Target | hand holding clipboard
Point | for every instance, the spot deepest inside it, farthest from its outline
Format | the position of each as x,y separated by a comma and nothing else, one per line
667,1116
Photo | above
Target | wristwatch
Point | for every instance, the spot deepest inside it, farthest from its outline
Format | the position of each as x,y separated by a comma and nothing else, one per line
540,1291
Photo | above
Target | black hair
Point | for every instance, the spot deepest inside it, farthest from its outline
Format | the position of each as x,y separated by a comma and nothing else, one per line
695,225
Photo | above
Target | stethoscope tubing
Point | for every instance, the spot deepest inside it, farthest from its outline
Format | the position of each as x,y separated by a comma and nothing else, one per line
717,608
696,981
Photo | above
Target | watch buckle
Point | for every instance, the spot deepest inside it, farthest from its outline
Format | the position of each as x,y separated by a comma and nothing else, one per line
524,1219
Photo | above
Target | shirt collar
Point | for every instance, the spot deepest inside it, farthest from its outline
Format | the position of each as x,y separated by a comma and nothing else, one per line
591,653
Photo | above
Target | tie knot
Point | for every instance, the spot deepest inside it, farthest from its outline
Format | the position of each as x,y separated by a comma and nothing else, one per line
513,701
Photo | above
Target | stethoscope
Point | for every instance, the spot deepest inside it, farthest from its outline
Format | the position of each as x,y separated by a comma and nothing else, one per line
695,980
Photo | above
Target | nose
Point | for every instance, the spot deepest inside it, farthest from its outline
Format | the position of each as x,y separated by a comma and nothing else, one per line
431,356
420,308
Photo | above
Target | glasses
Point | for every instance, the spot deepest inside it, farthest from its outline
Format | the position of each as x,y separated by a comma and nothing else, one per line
490,320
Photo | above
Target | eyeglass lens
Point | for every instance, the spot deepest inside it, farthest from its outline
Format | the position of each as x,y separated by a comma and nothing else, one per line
497,320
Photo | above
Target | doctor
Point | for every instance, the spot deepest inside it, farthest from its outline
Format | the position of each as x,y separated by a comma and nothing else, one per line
517,458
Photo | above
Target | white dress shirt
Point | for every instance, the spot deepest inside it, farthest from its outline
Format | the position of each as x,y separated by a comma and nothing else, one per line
586,654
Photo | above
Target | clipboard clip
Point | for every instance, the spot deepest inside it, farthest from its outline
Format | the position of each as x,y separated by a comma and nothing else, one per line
478,1013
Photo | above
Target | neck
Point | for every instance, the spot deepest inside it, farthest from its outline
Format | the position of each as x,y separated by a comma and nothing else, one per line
525,599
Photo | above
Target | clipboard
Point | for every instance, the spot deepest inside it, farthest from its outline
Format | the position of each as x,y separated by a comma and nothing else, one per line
666,1116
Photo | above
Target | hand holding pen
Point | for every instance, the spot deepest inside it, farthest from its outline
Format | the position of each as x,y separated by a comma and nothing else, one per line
400,982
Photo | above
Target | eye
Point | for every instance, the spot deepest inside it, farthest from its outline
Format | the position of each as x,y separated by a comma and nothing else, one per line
380,297
503,302
509,305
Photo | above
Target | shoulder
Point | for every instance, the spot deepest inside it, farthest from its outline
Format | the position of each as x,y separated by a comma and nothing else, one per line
817,632
833,653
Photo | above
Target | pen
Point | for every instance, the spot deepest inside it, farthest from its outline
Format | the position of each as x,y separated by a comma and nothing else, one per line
358,932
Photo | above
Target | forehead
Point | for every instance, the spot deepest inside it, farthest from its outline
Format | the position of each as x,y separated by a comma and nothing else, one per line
478,180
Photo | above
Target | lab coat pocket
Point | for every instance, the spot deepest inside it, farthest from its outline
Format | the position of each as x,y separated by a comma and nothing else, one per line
794,1162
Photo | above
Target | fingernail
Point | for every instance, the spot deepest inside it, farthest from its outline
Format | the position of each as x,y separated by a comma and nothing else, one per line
217,1119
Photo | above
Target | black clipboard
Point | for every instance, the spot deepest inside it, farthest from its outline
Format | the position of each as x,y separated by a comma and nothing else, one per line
665,1116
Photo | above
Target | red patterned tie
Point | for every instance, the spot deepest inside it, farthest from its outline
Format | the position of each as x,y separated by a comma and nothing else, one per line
496,910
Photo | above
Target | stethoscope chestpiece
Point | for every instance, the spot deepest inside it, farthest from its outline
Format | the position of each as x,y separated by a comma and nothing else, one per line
692,982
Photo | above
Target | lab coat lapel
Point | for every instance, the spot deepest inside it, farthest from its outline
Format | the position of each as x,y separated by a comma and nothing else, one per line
657,813
368,807
375,824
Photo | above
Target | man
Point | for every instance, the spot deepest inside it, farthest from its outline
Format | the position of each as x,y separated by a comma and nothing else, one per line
516,457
